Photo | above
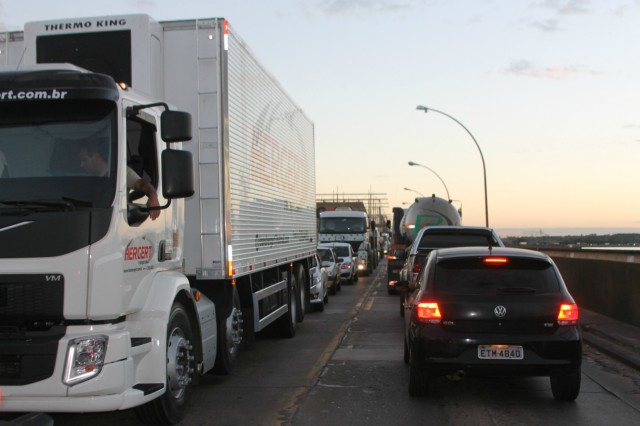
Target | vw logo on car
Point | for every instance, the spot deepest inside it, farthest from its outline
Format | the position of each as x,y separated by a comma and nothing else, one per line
500,311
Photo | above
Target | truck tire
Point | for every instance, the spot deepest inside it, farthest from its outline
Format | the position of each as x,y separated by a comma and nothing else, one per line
288,322
229,338
170,408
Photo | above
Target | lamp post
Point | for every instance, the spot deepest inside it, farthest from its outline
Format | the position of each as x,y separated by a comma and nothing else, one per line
484,168
413,190
412,163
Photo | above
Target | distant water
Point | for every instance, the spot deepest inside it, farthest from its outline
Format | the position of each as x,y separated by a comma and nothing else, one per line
539,232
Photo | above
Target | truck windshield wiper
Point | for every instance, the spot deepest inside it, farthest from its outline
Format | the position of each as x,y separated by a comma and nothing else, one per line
516,290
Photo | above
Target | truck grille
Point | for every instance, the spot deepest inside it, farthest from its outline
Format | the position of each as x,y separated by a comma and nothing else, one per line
31,318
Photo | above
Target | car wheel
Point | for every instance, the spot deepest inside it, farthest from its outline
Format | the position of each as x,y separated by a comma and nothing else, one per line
406,352
303,302
401,305
418,378
326,296
355,277
338,284
566,387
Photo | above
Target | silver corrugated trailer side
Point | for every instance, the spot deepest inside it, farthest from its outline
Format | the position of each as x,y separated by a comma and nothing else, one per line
252,221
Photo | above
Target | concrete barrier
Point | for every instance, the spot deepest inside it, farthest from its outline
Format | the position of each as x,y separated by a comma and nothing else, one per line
604,281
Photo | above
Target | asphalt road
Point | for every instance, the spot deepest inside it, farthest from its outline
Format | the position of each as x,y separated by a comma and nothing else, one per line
345,366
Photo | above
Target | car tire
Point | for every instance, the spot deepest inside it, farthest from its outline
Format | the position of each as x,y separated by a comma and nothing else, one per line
407,357
355,277
401,305
566,387
418,378
303,304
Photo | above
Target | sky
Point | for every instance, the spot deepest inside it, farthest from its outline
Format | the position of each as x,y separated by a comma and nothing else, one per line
547,92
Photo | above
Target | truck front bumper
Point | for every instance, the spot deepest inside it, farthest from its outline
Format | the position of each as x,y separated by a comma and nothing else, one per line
114,388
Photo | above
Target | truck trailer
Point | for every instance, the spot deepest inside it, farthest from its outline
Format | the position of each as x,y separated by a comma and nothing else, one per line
103,306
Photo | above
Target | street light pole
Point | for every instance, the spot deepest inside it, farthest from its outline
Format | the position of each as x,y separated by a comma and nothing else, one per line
484,168
413,190
412,163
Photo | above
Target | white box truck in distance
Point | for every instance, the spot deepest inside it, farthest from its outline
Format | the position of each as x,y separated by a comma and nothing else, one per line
103,307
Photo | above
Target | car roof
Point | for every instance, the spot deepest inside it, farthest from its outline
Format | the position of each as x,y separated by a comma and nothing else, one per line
325,246
457,229
460,252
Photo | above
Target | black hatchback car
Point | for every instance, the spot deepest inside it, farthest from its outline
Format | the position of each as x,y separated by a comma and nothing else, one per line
492,312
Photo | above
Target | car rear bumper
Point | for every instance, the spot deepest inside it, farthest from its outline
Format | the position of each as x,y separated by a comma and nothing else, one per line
543,355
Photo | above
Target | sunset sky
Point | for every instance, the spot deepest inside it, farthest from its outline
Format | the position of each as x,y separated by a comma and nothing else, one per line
550,89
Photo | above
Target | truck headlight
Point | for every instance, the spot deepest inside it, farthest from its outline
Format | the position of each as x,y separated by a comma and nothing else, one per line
85,358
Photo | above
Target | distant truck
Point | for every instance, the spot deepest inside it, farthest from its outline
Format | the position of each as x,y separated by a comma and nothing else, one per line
425,211
103,308
352,227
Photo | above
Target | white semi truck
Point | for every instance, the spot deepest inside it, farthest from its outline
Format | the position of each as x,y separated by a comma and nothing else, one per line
102,307
353,227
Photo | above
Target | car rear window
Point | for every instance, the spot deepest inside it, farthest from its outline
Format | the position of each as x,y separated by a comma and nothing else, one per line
516,276
433,241
341,251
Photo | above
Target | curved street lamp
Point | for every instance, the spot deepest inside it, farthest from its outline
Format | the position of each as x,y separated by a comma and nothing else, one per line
484,168
413,190
412,163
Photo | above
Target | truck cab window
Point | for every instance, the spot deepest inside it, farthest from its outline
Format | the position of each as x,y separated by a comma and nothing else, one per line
141,149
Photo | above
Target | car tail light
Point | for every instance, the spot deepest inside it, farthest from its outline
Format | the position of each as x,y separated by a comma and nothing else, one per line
428,312
345,266
417,267
568,314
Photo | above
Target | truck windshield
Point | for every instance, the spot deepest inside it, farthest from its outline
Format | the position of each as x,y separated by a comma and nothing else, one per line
58,151
342,225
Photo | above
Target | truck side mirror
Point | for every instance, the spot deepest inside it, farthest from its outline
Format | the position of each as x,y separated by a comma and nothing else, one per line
177,174
175,126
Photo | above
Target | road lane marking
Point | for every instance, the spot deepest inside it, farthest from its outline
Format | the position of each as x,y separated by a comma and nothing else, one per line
318,367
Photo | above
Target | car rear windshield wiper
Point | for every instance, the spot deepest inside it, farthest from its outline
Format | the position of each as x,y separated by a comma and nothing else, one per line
516,290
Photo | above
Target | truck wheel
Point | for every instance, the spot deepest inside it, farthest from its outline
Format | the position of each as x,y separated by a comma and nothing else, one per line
170,407
287,322
229,338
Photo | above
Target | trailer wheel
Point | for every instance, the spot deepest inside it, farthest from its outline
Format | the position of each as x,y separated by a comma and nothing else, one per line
287,322
170,407
229,338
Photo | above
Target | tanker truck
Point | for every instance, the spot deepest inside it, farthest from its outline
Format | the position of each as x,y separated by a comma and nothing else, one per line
425,211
